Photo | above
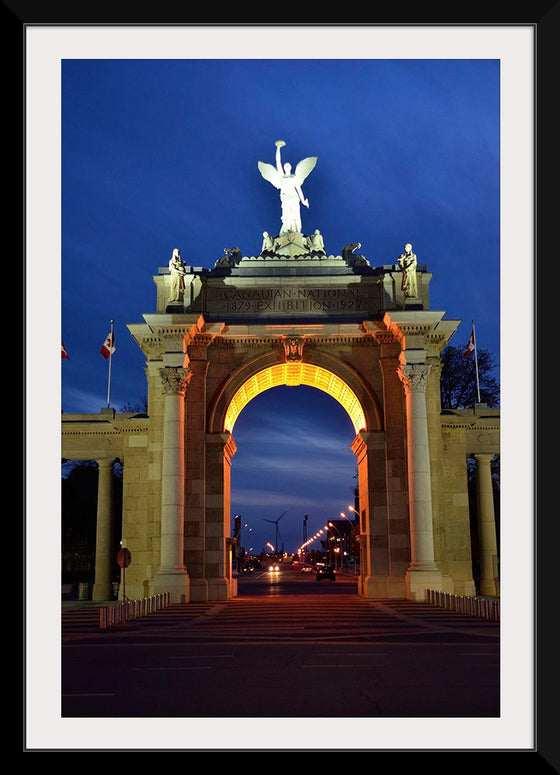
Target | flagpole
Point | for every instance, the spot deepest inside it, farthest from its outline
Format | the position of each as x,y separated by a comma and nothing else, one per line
109,369
476,362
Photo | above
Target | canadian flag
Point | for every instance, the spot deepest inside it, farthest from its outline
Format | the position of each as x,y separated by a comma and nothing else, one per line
64,353
108,346
470,346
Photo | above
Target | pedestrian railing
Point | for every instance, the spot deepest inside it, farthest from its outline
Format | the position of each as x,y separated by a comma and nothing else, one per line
486,608
132,609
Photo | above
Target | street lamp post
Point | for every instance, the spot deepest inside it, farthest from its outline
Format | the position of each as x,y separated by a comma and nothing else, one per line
355,530
330,524
354,524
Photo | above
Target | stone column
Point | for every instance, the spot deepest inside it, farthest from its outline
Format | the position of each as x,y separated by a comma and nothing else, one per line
397,501
486,525
195,509
172,575
422,573
103,584
369,448
220,448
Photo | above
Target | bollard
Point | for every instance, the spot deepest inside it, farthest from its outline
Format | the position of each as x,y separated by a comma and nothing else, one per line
132,609
472,606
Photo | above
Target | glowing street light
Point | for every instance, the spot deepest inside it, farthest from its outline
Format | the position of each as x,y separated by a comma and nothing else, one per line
355,525
310,540
355,529
330,524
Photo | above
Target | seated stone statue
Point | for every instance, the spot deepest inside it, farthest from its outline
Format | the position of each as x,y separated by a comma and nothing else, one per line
268,243
316,243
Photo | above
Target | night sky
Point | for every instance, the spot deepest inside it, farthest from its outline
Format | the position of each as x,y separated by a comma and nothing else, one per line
163,154
141,140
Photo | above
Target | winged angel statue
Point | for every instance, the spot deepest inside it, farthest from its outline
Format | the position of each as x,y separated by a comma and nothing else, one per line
290,186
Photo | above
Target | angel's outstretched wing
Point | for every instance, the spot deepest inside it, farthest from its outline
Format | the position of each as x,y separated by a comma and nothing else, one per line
270,173
304,167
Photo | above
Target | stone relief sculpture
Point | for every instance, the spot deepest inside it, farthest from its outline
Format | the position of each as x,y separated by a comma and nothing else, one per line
289,184
177,270
407,262
293,349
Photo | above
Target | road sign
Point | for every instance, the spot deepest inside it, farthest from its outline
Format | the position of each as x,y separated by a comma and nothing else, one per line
124,557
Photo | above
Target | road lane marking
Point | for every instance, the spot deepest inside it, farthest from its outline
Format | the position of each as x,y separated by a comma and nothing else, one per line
176,667
203,656
352,665
365,654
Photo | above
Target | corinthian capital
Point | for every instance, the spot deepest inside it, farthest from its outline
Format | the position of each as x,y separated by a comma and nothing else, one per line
174,379
414,376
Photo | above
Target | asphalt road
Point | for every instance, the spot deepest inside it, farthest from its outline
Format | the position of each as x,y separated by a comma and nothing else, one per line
286,646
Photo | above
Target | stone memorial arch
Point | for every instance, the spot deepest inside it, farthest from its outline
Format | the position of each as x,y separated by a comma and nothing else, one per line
292,315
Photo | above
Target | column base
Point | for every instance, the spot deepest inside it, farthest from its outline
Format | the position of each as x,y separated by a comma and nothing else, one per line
418,581
383,587
102,592
177,583
466,588
199,590
375,587
361,586
396,587
489,587
203,590
218,589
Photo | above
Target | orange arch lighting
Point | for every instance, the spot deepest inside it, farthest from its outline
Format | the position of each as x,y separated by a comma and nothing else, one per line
296,374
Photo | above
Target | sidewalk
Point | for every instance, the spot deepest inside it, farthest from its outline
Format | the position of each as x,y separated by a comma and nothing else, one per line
69,604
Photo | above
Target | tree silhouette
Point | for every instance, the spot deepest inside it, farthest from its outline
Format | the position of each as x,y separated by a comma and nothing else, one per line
458,379
138,407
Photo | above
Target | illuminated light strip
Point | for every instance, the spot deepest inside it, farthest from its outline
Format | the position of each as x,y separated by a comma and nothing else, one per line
294,374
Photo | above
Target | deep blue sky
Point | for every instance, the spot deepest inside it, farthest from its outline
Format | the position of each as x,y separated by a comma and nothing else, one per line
158,154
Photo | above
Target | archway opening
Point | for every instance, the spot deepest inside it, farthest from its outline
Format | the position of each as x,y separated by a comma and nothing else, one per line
294,374
294,469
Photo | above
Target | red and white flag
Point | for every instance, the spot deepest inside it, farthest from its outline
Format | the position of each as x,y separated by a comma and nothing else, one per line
108,346
64,353
470,347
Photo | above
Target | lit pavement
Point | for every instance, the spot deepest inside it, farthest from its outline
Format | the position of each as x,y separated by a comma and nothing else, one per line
287,646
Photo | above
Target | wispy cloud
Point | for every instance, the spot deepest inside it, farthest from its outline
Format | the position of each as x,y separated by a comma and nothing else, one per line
302,466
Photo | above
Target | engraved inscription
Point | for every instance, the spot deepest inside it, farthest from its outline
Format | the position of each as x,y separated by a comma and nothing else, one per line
274,299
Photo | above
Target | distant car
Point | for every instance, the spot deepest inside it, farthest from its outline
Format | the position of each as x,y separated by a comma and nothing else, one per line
326,572
248,568
273,568
306,569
